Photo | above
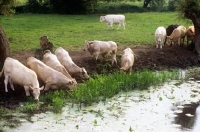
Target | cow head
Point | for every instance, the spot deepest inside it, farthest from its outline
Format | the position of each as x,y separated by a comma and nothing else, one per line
83,74
36,92
87,45
169,40
102,18
71,84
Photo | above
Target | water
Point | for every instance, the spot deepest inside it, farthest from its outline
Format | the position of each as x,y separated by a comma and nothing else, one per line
167,108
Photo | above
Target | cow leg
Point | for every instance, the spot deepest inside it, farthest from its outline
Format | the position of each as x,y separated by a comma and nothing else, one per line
11,84
123,25
113,56
47,86
6,83
27,90
111,25
119,26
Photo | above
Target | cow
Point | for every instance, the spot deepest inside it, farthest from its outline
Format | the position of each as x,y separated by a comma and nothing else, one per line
177,35
190,34
71,67
53,79
160,35
127,60
170,29
113,19
103,48
16,72
51,60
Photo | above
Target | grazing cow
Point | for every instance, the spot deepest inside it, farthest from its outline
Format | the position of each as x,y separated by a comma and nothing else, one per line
113,19
177,35
51,60
190,34
127,60
16,72
103,48
160,35
71,67
53,79
170,29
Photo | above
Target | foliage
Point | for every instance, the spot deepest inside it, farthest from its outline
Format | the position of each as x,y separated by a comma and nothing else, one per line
61,6
5,7
171,5
186,8
102,87
157,5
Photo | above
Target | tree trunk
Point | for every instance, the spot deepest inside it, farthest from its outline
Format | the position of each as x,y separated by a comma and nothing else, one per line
196,22
4,47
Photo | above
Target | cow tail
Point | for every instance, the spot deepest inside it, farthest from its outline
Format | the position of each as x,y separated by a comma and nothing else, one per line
1,73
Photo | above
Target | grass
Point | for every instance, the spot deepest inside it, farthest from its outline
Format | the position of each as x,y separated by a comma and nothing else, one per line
103,87
70,31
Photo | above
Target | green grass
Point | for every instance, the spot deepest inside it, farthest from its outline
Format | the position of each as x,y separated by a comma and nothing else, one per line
70,31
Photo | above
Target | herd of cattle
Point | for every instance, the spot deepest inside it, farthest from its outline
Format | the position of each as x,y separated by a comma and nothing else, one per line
58,70
173,34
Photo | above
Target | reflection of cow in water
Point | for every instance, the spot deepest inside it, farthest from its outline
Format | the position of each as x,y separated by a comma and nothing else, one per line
45,44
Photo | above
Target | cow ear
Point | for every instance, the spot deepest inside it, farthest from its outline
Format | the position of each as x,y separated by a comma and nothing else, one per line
90,43
41,88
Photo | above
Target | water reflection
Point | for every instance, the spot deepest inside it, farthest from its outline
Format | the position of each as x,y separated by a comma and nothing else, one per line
186,117
197,120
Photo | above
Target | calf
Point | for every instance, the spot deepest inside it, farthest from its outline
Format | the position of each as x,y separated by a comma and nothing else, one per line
127,60
51,60
113,19
16,72
160,35
177,35
103,48
71,67
53,79
190,34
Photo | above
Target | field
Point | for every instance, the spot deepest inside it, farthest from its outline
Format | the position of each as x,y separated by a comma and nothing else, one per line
70,31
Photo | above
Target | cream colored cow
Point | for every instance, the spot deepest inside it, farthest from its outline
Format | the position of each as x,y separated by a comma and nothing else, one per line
71,67
127,60
16,72
51,60
53,79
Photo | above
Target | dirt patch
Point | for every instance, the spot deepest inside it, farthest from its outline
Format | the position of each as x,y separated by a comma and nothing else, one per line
146,57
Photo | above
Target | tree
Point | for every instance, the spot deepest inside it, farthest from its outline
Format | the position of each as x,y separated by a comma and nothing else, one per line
5,8
190,9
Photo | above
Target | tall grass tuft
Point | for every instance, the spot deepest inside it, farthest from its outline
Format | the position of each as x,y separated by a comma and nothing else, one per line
103,87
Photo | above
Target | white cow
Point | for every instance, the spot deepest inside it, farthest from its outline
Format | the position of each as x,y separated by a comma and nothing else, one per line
127,60
53,79
113,19
103,48
160,35
16,72
71,67
51,60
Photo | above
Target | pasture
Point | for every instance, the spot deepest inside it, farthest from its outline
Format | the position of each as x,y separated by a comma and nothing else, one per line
70,31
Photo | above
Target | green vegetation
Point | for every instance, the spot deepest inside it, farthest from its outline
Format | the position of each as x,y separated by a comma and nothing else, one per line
70,31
